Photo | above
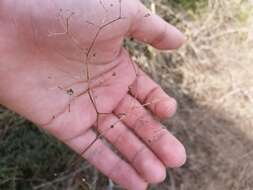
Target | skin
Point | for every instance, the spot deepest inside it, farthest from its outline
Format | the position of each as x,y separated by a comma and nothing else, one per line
43,69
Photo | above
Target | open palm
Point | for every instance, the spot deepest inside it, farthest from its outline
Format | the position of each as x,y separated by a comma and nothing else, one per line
63,67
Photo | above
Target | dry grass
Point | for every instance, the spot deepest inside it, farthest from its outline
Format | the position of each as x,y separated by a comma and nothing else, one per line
212,78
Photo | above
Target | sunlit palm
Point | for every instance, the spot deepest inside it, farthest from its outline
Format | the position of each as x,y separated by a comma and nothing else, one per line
48,51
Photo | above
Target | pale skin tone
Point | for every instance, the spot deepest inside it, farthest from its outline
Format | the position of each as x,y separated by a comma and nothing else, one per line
43,77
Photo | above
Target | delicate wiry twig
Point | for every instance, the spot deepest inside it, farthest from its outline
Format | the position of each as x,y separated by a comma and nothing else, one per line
60,179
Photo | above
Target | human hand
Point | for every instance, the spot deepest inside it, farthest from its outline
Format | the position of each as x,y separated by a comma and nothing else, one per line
63,67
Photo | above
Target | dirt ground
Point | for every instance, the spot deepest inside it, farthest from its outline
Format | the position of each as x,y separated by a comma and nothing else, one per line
212,79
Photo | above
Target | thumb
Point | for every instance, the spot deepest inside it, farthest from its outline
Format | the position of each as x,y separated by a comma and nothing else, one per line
152,29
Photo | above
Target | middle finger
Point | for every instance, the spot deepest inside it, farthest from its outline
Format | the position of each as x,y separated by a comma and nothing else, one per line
167,148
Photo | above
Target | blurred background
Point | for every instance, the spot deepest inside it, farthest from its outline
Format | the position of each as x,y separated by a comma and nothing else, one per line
212,79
